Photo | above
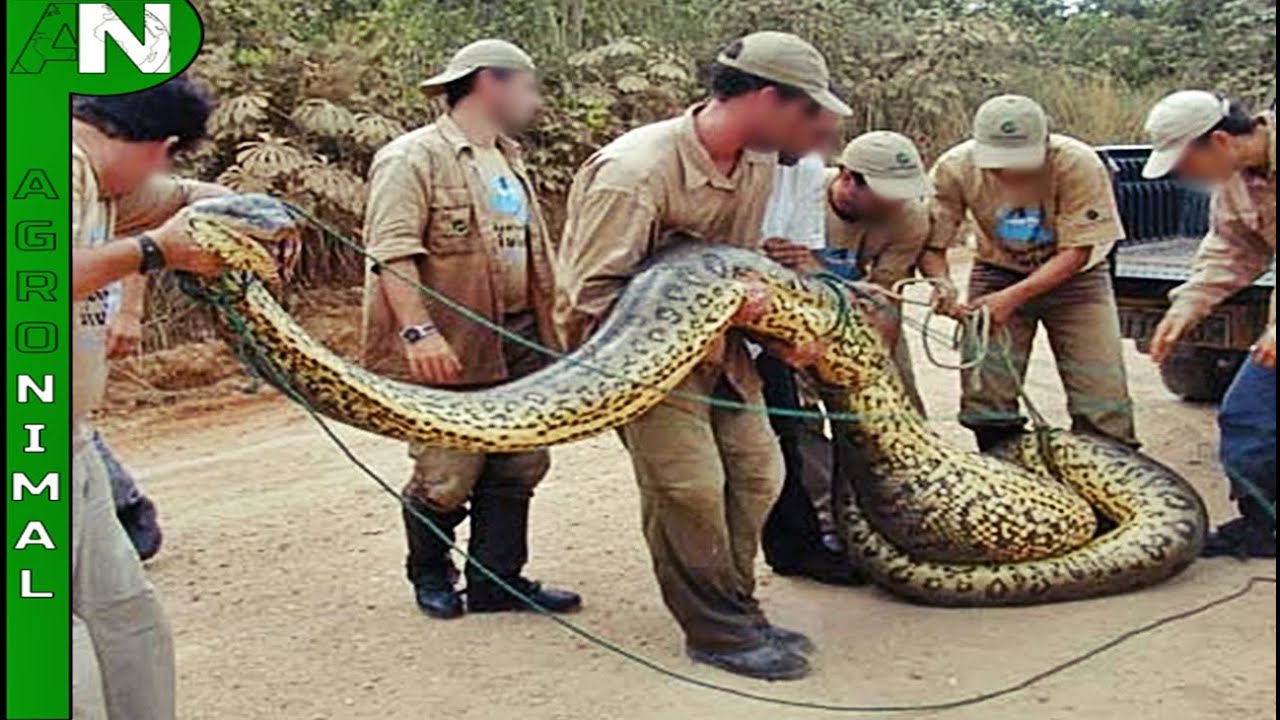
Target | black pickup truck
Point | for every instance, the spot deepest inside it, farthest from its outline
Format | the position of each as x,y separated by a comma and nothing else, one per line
1164,221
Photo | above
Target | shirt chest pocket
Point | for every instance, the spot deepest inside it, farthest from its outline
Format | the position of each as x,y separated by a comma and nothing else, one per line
451,225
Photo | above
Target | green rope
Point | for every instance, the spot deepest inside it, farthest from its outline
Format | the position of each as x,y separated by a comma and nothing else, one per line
257,359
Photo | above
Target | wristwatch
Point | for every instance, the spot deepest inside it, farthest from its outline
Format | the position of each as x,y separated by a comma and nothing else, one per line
417,333
152,256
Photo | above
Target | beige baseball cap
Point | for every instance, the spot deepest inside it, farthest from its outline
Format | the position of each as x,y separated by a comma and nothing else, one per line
891,164
1010,131
1175,122
785,58
489,53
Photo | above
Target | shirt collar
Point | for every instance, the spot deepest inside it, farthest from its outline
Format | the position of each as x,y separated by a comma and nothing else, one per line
460,143
699,169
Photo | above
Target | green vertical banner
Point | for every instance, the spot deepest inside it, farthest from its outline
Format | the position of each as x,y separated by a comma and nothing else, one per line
55,49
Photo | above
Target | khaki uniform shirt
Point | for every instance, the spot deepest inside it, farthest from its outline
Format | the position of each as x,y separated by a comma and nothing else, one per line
1073,205
887,250
633,198
1241,242
431,199
95,220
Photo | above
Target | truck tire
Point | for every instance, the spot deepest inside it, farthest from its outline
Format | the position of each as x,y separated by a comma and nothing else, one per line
1200,374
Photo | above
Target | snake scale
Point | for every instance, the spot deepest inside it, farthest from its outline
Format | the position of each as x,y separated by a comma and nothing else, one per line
927,521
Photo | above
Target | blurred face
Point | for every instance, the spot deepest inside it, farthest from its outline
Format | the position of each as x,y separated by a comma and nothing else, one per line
1017,178
859,201
513,100
1211,160
134,163
793,126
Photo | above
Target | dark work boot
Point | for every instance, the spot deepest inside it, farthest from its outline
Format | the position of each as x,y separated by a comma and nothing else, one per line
487,596
500,542
790,640
767,661
1253,534
428,565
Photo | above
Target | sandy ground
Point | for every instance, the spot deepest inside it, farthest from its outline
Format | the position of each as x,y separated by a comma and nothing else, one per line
282,573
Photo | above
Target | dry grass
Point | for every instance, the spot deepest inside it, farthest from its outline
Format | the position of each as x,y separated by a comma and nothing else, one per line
1095,108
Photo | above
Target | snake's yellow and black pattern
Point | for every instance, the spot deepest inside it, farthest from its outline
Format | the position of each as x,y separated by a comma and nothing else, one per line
927,521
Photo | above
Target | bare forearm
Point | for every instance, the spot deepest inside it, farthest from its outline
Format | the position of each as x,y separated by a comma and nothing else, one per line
1059,269
94,268
933,264
399,281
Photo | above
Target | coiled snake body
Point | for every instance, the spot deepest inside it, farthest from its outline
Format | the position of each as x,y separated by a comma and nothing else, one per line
928,521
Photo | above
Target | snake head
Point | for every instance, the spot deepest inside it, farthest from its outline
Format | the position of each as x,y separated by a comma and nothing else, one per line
255,235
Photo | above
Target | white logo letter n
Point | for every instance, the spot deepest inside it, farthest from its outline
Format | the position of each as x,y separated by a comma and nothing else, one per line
150,54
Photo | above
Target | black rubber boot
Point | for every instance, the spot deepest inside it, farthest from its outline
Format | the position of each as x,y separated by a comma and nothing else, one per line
500,542
428,565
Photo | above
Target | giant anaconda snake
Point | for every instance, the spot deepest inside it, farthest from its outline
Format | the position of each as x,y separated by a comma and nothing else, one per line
928,521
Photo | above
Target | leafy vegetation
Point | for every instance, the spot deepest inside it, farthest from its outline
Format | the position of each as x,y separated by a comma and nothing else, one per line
310,89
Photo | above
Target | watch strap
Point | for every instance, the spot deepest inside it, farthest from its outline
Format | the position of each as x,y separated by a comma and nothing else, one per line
152,256
416,333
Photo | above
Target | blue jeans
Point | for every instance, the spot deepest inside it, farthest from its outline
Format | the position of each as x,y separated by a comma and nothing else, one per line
124,488
1247,421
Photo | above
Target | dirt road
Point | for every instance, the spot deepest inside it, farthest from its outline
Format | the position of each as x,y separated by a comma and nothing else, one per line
282,573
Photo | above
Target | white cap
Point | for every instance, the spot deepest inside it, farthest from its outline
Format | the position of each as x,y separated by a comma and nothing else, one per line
1010,131
1175,122
785,58
489,53
890,163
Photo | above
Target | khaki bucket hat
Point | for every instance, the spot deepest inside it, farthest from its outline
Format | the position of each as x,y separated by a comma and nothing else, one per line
1010,132
489,53
1175,122
891,164
785,58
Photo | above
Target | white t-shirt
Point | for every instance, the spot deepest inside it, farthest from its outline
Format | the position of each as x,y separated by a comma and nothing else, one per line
795,211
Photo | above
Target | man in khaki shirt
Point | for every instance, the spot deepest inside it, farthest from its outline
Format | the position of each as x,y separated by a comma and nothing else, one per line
121,645
876,209
707,475
1046,218
875,224
451,207
1207,138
